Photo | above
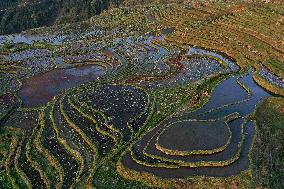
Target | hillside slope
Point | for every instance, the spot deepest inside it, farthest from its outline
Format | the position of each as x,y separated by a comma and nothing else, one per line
19,15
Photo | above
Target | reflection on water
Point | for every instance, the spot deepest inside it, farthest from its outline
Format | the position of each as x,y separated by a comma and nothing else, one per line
232,98
40,89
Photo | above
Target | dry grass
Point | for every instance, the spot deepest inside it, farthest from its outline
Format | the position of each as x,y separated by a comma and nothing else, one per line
250,32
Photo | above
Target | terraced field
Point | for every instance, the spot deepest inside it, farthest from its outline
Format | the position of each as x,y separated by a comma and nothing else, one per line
213,141
156,96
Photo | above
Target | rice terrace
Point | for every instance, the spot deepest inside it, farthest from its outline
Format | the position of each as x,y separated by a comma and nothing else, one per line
145,94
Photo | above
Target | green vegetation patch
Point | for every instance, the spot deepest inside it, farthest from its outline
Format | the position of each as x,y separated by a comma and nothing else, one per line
16,47
106,177
5,180
268,151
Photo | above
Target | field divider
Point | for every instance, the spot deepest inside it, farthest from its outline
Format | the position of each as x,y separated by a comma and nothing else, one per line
161,165
99,130
202,163
262,38
207,56
34,164
72,152
12,149
268,86
192,152
54,163
83,135
74,100
244,87
131,142
23,176
223,106
226,119
138,115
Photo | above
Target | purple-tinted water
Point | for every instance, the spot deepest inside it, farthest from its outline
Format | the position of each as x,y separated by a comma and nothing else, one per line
40,89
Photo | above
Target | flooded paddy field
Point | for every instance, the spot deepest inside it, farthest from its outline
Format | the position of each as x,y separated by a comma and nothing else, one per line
40,89
148,154
153,105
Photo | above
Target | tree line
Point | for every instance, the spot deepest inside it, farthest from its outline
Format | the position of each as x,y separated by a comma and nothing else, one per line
17,16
